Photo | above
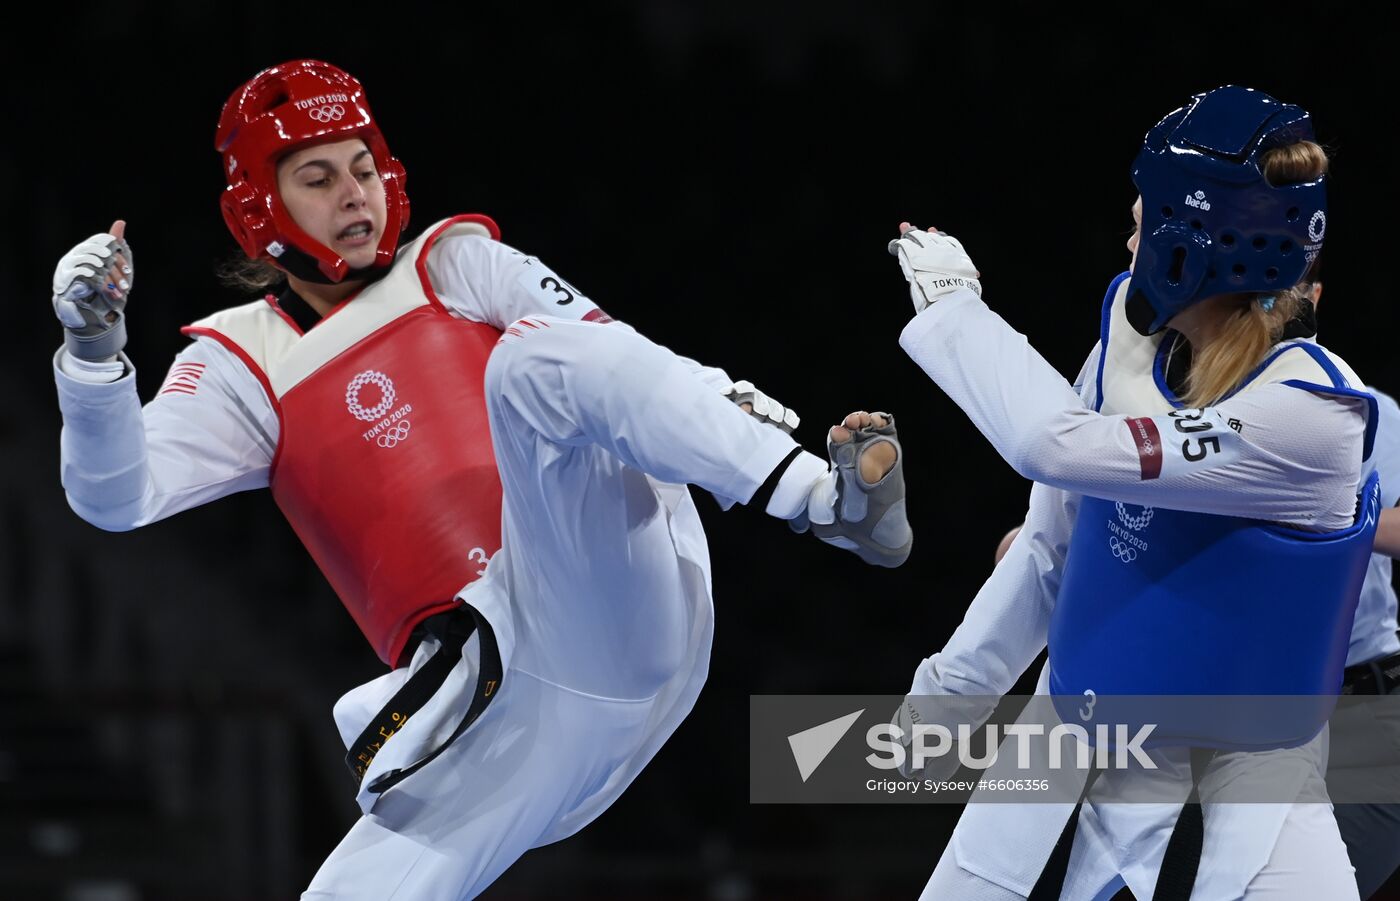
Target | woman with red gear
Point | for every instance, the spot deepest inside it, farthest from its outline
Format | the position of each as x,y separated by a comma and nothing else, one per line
540,587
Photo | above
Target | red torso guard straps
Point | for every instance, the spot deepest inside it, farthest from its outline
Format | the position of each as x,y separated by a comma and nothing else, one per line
384,465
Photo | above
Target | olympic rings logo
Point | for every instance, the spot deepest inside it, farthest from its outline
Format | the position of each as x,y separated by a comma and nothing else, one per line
352,395
329,113
1123,552
1317,225
394,435
1136,523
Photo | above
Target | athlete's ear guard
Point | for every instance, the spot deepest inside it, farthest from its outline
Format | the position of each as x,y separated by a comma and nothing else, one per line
1212,223
1182,254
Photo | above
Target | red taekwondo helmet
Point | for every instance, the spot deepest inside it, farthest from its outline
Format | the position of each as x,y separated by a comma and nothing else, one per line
279,110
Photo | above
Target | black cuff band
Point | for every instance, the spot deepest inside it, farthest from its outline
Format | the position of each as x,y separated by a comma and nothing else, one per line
764,494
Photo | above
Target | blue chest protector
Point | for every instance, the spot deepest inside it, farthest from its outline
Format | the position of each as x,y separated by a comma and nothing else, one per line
1167,603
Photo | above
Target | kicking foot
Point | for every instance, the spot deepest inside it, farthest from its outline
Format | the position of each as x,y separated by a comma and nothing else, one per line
860,507
876,460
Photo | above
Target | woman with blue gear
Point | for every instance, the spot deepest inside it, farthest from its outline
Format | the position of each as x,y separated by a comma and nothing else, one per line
1194,526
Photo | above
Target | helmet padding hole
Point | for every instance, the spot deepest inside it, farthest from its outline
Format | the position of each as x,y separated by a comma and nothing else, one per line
1178,264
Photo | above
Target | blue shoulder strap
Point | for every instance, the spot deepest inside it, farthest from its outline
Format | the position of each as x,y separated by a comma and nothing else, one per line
1105,318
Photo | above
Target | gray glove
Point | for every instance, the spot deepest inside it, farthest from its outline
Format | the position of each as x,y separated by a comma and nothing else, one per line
869,519
90,287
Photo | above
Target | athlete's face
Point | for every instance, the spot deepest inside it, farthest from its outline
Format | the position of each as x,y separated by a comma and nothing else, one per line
334,193
1137,233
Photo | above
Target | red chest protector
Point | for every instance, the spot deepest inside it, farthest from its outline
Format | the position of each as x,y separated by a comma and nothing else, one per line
384,464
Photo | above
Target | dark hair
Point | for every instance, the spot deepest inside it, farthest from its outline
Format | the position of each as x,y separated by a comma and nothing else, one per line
249,276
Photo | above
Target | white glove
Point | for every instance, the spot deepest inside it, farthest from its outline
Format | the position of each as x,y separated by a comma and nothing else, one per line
934,264
921,712
905,719
764,408
90,287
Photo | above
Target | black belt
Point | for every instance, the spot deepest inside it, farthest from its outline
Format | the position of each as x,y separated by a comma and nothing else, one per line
451,628
1052,876
1375,677
1177,876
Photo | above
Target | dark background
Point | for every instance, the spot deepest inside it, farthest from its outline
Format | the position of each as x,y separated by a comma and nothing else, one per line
723,177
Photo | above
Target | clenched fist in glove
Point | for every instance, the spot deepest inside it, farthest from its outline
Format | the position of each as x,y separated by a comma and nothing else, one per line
934,264
90,287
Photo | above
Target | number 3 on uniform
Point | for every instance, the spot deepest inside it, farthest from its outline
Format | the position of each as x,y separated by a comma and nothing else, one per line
547,284
563,291
478,555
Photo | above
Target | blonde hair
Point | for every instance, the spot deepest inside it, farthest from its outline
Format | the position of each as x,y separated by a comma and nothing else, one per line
1249,329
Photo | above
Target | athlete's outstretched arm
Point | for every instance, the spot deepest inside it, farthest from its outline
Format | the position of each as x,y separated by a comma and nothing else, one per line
207,433
1004,630
1277,453
1294,458
1006,625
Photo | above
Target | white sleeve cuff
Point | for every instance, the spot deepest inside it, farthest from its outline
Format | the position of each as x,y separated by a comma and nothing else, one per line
92,372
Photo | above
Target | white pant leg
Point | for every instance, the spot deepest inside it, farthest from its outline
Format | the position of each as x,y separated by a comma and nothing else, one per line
1372,836
1309,860
951,882
447,832
576,383
581,414
1090,875
1308,863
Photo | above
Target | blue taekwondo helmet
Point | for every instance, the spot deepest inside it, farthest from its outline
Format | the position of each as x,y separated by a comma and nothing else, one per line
1211,223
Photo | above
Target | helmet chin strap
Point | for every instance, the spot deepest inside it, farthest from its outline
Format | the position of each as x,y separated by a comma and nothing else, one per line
1140,313
305,267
